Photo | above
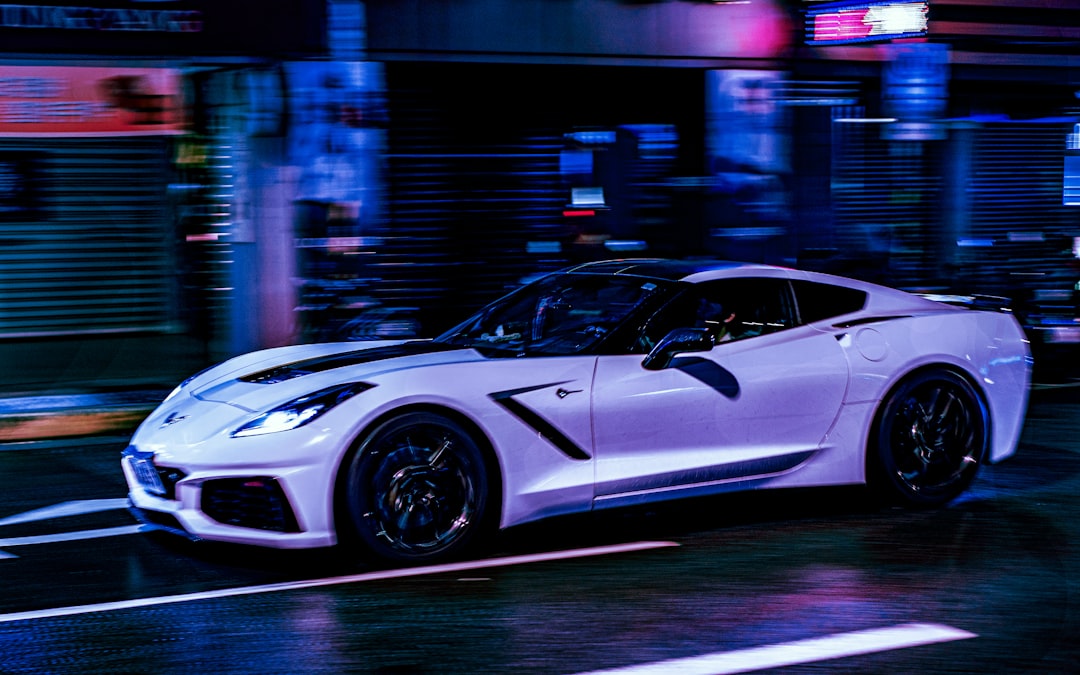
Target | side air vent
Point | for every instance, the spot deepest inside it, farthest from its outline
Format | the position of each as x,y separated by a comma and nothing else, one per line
257,502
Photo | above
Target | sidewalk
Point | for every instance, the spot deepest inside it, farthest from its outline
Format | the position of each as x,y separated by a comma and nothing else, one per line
50,417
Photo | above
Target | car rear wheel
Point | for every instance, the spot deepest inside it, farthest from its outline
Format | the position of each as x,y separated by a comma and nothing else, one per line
929,439
417,490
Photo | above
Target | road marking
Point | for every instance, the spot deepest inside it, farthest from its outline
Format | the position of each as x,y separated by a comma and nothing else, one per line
72,536
336,581
835,646
64,510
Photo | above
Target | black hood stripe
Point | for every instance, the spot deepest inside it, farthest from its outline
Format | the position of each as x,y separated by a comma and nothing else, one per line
323,363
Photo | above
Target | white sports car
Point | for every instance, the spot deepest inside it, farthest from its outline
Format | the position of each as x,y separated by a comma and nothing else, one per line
605,384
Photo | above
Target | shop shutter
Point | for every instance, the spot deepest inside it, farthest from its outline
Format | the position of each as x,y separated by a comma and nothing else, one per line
471,201
89,248
1021,233
886,199
462,221
475,191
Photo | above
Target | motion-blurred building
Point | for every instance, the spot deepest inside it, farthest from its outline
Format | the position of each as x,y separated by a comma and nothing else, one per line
181,181
944,152
130,165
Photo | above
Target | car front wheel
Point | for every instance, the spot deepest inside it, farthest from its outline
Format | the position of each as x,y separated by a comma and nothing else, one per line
417,490
929,439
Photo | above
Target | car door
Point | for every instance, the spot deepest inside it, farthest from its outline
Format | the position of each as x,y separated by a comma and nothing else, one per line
758,403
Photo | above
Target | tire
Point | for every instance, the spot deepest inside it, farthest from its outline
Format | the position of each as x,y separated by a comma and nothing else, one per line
928,439
417,490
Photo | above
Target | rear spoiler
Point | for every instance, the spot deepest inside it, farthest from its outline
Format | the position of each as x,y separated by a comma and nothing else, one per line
978,301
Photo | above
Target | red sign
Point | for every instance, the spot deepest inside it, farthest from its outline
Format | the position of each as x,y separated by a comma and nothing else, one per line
863,22
78,101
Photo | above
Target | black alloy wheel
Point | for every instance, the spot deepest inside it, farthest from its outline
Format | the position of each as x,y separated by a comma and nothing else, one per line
417,490
930,437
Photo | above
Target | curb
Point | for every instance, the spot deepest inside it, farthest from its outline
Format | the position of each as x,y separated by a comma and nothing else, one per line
48,426
40,418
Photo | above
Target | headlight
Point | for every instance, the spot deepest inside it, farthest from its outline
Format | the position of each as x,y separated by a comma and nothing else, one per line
300,411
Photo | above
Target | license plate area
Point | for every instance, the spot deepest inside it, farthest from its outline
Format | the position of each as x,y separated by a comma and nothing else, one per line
146,474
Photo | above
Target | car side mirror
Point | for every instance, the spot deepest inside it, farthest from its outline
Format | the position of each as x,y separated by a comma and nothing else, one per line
678,341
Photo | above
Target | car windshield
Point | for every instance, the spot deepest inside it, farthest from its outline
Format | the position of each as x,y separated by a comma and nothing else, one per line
560,314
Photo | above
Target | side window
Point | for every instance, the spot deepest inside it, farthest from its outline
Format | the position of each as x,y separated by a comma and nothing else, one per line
817,301
680,312
732,309
750,307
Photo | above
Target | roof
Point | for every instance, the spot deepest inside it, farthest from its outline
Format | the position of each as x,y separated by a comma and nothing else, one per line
657,268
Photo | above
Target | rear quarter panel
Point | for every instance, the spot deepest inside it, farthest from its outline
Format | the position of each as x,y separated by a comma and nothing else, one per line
988,347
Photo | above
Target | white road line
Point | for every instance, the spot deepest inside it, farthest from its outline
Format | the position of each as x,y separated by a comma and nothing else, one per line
71,536
336,581
65,509
802,651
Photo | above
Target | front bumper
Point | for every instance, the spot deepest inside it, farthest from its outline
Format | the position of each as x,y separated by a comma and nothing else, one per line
235,506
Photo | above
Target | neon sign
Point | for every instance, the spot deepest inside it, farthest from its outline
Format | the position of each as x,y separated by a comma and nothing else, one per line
842,23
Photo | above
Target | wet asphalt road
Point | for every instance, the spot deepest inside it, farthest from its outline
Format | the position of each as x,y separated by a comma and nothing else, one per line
998,569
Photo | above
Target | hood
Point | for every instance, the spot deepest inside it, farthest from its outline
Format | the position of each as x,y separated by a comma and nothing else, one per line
264,379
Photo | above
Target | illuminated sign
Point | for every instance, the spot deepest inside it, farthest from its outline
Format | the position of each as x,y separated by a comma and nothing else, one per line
841,23
77,101
915,90
100,19
1071,178
159,28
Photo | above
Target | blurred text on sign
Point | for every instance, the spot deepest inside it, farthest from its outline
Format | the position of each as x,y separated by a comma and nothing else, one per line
85,101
